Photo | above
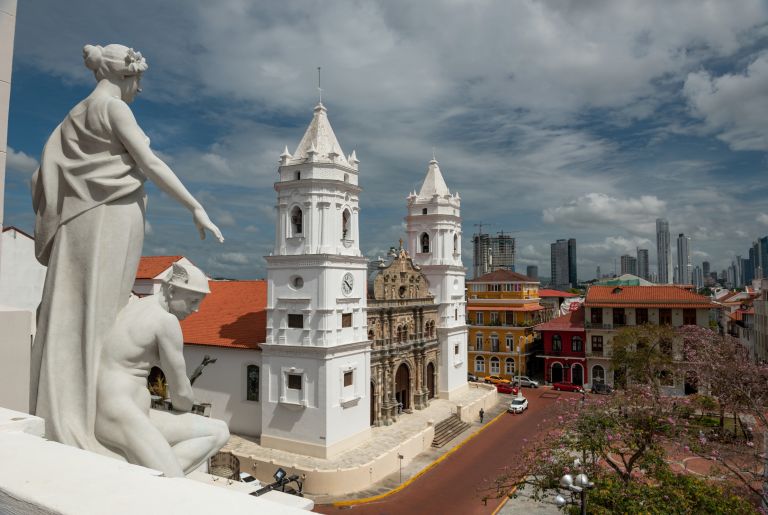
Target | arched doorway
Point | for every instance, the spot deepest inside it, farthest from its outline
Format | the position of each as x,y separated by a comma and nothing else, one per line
691,382
577,375
598,374
373,403
557,373
431,380
403,386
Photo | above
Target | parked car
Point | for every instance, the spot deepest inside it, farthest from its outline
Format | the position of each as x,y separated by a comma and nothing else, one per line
567,387
518,405
472,378
496,380
527,382
245,477
506,388
602,388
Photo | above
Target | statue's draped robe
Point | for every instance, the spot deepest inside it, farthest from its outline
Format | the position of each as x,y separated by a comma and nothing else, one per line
89,202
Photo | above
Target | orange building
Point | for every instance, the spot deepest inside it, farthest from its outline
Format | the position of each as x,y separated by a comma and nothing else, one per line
502,308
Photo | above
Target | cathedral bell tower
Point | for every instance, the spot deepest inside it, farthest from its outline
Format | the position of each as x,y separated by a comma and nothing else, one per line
316,358
434,241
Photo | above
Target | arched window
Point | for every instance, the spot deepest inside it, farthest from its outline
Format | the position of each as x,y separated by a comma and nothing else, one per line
370,334
494,365
345,216
577,344
455,243
252,383
297,220
509,366
479,364
557,343
598,374
425,243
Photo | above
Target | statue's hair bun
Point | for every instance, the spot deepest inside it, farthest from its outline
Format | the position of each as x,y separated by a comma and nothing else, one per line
92,54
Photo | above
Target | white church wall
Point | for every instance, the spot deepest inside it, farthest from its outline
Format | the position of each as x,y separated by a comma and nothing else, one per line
21,276
223,385
15,351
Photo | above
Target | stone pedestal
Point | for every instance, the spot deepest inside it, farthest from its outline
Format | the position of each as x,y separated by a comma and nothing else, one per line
15,353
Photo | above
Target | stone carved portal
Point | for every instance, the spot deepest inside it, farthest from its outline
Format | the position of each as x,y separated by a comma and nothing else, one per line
403,386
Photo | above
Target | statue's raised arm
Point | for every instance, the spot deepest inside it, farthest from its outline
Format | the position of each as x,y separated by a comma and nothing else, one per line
89,202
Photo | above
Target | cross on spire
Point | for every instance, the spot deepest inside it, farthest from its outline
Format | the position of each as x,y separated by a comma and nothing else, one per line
319,89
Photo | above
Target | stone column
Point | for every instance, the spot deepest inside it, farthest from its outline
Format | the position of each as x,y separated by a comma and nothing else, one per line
7,30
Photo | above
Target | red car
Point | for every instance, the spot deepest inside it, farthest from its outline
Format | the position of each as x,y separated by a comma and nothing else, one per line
567,387
506,388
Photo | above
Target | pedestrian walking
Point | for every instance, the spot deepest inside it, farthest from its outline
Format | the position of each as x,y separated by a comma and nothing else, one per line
482,413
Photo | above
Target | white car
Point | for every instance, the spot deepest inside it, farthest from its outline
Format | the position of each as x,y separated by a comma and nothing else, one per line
518,405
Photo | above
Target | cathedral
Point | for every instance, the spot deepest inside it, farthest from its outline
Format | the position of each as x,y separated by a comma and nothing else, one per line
336,355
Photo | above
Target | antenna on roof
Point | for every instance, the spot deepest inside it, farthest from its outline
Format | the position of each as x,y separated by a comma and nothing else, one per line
433,154
319,89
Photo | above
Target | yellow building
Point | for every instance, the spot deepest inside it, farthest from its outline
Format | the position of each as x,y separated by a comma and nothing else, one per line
502,308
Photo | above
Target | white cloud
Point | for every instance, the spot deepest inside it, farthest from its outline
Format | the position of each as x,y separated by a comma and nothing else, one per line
233,258
733,105
636,215
17,161
762,218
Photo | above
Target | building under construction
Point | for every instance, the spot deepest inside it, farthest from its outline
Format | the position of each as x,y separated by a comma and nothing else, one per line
492,253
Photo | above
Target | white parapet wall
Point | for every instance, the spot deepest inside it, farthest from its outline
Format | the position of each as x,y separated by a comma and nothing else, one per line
15,351
42,477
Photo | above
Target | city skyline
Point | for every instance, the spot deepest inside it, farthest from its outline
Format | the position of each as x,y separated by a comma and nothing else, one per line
586,121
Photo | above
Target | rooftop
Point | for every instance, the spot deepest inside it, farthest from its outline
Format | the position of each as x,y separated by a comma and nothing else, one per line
503,276
233,315
320,140
152,266
571,321
434,184
545,292
660,296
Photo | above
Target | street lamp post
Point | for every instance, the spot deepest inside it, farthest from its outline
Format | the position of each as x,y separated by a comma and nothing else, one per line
520,366
579,485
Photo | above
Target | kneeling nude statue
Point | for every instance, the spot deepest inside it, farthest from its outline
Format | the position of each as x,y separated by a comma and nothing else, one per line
147,333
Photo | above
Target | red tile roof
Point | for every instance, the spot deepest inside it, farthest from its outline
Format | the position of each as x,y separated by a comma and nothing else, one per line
503,276
544,292
660,296
572,321
152,266
233,315
524,307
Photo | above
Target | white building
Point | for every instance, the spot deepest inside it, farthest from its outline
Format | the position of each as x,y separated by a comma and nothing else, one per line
21,276
434,241
663,251
684,267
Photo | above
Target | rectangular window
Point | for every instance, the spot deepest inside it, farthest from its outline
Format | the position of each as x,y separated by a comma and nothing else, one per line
296,321
479,341
641,316
619,317
494,366
294,381
456,350
576,344
479,318
510,341
494,343
597,344
510,318
252,383
346,320
689,317
494,318
348,378
596,315
665,316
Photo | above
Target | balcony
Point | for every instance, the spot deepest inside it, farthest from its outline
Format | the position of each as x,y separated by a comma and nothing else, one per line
593,325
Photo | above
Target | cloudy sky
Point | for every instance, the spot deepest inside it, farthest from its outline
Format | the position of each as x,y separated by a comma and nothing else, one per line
585,119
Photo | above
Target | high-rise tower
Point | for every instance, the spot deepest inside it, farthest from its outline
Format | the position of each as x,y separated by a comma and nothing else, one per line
663,252
434,240
684,267
316,359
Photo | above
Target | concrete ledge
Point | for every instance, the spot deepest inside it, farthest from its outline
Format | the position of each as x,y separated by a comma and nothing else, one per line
42,477
17,422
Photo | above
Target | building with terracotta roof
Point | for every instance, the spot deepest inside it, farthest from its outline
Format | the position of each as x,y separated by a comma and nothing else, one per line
502,308
564,354
611,308
152,270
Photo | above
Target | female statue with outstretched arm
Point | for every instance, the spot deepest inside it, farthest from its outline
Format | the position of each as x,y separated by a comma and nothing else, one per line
89,203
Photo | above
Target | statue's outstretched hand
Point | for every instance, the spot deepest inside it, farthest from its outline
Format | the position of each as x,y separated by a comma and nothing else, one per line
202,222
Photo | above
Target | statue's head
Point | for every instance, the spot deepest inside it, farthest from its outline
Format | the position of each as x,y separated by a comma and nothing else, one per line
185,287
118,64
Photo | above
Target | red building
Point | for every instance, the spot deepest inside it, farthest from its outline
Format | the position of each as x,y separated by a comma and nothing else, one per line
564,354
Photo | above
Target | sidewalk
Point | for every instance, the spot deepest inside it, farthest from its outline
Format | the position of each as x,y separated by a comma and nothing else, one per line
524,503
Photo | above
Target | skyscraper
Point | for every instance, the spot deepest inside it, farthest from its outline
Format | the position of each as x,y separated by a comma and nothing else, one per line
563,264
642,263
684,267
532,271
663,253
493,253
628,265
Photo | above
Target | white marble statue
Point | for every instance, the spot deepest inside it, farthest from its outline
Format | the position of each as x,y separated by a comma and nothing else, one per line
89,202
146,334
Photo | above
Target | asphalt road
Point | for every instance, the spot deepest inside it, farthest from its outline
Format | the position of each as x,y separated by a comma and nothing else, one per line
458,484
